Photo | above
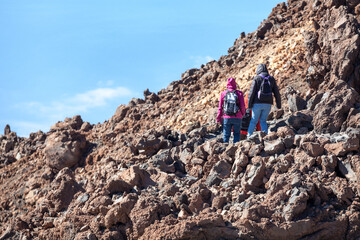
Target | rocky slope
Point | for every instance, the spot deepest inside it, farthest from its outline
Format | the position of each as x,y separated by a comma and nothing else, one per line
158,170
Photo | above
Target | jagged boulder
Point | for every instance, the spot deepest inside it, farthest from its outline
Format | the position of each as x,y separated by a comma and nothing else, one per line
64,149
64,187
254,174
69,123
221,170
349,142
300,120
7,130
158,168
296,103
118,186
274,147
135,176
120,212
353,120
335,105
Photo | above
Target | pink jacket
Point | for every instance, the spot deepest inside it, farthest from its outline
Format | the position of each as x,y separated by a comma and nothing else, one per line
231,86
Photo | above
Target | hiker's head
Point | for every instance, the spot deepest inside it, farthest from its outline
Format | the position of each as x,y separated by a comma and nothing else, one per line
261,68
231,84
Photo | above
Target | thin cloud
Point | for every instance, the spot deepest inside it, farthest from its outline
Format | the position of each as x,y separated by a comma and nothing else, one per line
80,103
199,60
45,114
99,97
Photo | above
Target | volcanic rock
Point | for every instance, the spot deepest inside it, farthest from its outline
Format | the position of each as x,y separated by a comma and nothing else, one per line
158,168
64,149
7,130
64,187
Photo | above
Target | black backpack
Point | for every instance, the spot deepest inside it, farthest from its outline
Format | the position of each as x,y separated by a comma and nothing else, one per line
246,120
231,107
265,91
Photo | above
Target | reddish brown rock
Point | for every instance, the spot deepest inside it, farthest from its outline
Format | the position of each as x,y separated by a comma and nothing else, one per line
64,150
212,225
335,105
254,174
241,160
158,168
218,202
7,130
342,148
119,213
329,162
118,186
285,132
274,147
313,149
135,176
64,187
145,212
353,120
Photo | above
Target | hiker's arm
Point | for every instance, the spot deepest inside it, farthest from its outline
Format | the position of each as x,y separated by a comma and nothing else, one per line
219,112
277,95
252,94
242,103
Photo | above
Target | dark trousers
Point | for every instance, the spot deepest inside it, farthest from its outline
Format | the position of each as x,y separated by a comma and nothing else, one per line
231,123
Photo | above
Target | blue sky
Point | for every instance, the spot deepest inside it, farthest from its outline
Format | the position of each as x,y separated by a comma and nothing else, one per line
63,58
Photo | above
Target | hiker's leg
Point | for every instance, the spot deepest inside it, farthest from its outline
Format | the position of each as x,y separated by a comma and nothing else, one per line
255,114
263,117
226,130
237,129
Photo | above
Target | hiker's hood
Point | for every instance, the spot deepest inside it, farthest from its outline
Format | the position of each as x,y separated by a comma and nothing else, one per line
261,68
231,84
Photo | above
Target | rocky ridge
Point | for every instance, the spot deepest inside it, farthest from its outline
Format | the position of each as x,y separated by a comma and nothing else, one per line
158,170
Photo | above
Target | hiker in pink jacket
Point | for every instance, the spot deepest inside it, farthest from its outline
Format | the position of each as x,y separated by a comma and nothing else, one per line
231,109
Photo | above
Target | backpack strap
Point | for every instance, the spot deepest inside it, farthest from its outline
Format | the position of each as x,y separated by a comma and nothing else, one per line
227,91
262,76
225,97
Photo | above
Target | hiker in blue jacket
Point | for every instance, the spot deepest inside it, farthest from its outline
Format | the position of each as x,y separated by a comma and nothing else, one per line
260,99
